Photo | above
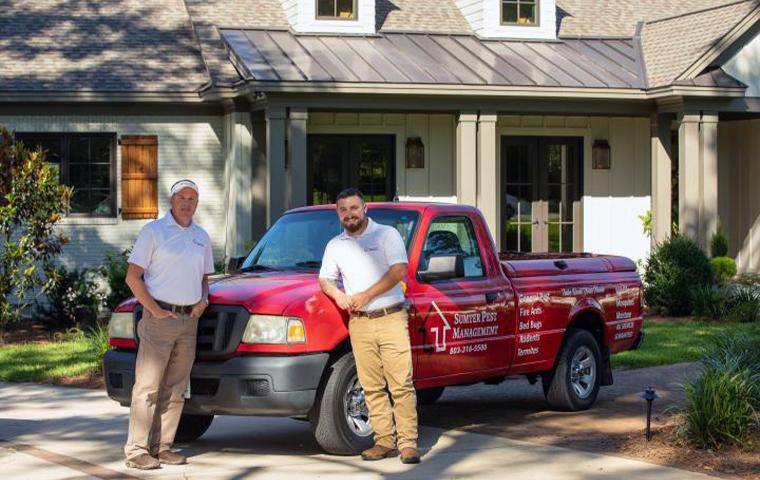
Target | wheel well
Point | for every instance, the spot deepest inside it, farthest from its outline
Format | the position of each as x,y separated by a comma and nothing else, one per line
592,322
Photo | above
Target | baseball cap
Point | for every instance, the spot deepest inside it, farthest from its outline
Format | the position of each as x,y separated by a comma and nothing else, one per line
185,183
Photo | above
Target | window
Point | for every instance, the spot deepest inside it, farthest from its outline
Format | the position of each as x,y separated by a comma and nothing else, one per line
519,12
336,9
85,162
453,235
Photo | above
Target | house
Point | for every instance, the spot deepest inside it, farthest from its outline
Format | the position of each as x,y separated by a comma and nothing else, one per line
564,121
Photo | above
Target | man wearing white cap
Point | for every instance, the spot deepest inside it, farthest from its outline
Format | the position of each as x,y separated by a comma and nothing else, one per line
168,273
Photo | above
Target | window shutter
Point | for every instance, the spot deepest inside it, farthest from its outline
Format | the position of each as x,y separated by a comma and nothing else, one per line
139,176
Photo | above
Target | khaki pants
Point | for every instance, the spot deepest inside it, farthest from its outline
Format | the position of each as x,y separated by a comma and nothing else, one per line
384,358
164,361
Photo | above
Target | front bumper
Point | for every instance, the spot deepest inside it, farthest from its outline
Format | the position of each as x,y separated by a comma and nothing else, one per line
246,385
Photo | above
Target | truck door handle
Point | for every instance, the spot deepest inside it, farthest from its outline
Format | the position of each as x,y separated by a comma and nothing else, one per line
491,297
561,264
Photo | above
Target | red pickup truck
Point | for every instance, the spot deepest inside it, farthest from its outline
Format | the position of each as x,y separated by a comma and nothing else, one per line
271,343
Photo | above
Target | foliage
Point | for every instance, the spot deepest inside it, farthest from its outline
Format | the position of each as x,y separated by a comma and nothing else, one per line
114,272
96,338
724,268
646,223
73,298
722,401
719,243
32,201
675,268
731,303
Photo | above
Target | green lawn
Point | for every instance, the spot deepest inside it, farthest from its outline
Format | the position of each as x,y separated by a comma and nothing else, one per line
46,362
674,342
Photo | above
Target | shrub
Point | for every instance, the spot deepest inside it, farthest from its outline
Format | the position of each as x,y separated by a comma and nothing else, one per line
722,400
32,201
724,268
114,272
674,269
748,279
710,302
719,244
73,298
743,304
97,341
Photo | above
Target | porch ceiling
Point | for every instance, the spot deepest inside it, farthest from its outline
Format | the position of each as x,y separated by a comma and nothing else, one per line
281,57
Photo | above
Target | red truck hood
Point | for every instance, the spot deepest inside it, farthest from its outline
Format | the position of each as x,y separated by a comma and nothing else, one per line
264,292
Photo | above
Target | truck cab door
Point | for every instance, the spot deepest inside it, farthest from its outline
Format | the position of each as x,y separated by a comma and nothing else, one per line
459,326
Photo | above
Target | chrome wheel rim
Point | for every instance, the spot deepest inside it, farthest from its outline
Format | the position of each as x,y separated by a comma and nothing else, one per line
583,372
355,408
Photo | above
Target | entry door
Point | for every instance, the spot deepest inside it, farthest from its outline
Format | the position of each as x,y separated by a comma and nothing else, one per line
541,192
366,162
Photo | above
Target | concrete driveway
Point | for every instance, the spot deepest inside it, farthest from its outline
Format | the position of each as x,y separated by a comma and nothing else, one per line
66,433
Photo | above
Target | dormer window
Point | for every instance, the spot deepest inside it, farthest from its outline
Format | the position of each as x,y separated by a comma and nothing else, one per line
519,12
336,9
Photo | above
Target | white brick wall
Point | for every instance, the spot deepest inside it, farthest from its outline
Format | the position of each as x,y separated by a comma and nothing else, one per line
188,146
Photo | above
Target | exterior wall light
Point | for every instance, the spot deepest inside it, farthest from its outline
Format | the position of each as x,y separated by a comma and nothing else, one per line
601,155
415,153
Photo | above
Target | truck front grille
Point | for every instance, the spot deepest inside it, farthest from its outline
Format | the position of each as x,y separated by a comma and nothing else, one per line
220,330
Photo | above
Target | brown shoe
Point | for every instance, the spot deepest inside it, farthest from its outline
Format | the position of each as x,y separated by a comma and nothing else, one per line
170,458
378,452
410,455
143,462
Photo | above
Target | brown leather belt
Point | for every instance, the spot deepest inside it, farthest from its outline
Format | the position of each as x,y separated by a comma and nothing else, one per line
182,309
380,312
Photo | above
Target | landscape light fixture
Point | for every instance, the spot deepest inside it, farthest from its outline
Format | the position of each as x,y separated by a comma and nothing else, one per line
649,395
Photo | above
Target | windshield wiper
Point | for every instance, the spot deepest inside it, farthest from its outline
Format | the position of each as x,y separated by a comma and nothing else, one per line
257,268
310,264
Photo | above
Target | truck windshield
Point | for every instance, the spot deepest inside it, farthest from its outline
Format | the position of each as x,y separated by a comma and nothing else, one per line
298,240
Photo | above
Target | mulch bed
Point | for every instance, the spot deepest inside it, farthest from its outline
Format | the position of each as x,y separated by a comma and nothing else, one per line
667,448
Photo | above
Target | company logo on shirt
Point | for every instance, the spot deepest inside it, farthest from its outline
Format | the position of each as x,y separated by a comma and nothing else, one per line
371,249
198,242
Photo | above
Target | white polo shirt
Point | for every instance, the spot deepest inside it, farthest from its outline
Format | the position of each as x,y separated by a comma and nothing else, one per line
362,261
175,258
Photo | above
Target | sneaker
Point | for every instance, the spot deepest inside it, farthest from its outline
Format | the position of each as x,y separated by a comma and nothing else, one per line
378,452
170,458
410,455
143,462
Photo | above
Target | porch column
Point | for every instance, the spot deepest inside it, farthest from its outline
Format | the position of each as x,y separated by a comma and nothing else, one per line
662,185
467,180
488,172
260,172
238,179
708,145
276,183
297,157
688,175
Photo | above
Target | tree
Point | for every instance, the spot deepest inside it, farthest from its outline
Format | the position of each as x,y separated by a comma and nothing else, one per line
32,201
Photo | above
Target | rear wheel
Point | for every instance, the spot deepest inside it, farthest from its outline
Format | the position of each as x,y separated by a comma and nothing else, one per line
574,384
192,427
339,418
429,396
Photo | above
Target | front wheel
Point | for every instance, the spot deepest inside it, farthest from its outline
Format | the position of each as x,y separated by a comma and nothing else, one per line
429,396
192,427
339,418
574,383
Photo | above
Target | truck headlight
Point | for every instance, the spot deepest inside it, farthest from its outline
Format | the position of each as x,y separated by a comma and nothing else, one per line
274,329
122,325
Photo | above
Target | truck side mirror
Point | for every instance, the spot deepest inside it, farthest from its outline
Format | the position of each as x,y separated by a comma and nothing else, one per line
233,264
443,267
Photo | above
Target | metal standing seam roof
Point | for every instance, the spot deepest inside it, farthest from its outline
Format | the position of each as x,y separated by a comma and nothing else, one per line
281,56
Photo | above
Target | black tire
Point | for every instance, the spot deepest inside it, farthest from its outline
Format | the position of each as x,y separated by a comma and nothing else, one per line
429,396
328,418
561,387
192,427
